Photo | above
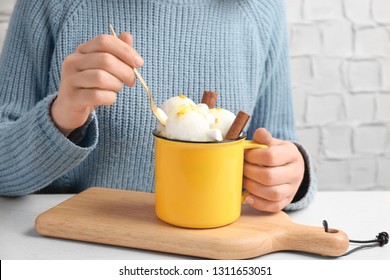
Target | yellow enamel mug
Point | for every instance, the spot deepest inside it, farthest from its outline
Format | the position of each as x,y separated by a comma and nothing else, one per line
199,184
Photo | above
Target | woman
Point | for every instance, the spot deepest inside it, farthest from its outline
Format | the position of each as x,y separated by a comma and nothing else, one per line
68,123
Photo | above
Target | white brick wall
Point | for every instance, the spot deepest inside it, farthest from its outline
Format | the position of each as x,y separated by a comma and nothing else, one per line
341,51
340,62
358,11
6,7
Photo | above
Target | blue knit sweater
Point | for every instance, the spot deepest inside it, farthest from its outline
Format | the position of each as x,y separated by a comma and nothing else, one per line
237,48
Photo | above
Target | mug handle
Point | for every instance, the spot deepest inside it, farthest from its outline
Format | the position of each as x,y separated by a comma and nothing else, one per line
250,144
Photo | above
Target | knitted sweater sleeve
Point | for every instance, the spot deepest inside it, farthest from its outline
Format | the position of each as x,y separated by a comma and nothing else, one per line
33,152
274,109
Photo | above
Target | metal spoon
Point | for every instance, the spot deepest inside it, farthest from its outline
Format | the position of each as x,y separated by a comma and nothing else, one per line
158,112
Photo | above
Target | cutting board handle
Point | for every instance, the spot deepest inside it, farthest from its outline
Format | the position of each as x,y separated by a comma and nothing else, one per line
314,240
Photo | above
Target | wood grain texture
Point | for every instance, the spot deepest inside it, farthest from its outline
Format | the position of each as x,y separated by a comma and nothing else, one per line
127,218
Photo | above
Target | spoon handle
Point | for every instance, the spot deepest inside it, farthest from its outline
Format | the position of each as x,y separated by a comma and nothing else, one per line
154,107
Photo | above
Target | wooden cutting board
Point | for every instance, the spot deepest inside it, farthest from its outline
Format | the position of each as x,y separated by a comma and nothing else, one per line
127,218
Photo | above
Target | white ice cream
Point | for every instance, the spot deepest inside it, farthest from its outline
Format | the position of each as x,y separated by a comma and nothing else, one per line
172,103
190,122
223,119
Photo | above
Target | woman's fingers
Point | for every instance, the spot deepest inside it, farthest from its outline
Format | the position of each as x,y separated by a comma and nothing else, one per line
113,45
267,205
268,198
271,176
281,154
271,193
127,38
94,97
91,76
106,62
96,78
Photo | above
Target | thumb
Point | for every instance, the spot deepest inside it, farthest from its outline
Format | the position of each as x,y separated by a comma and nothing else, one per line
263,136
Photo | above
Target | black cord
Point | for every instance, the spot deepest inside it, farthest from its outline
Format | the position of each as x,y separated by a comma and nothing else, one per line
381,239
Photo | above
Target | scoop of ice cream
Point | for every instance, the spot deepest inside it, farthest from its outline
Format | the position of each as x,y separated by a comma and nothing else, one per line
188,123
177,101
169,105
204,109
223,119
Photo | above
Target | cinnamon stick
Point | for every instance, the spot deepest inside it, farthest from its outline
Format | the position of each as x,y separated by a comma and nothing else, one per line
209,98
237,126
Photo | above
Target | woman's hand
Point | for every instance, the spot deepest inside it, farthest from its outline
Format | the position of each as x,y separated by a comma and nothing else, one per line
272,175
92,76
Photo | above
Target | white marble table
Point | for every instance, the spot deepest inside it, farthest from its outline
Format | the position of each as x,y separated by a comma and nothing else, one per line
362,215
